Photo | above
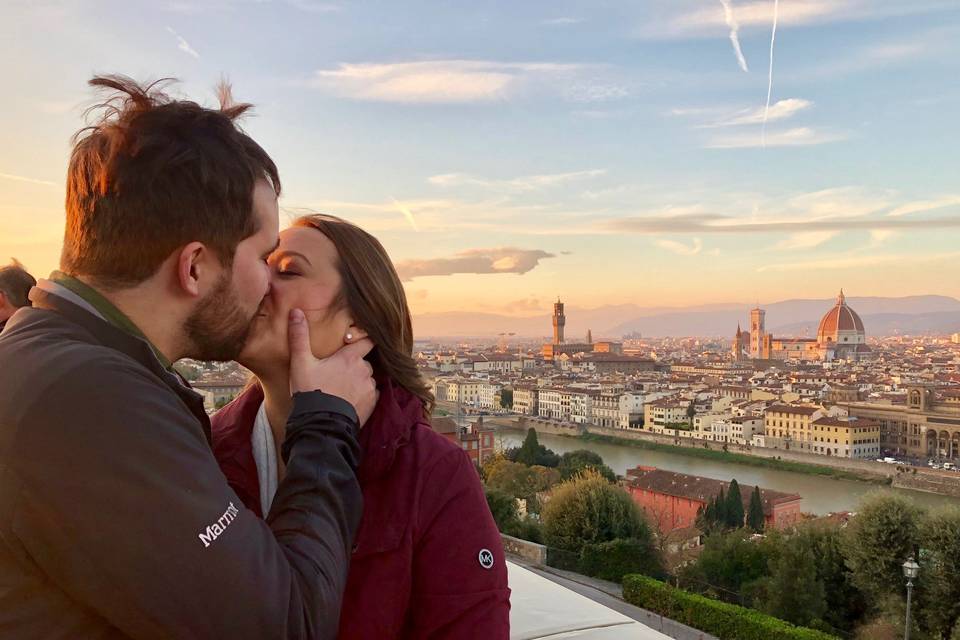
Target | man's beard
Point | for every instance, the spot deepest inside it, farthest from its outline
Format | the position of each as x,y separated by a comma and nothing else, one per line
218,327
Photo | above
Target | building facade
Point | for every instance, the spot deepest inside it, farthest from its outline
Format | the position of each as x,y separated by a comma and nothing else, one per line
927,426
790,426
525,400
671,500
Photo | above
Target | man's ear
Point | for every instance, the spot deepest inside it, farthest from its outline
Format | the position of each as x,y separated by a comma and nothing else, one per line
193,268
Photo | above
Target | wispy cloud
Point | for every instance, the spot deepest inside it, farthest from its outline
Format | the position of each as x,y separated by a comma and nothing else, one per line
437,81
595,92
807,240
780,110
680,248
925,205
699,20
734,26
482,261
530,304
797,137
703,223
183,45
523,183
312,6
879,237
562,21
16,178
195,7
859,262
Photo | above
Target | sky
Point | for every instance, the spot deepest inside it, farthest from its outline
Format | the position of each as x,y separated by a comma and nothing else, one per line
507,153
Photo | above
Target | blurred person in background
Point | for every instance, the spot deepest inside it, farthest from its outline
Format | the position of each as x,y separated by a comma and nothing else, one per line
15,285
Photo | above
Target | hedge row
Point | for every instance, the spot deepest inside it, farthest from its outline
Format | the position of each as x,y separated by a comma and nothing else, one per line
608,560
726,621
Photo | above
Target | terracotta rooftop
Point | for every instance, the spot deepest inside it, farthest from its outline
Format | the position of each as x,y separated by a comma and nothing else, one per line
444,424
792,409
700,488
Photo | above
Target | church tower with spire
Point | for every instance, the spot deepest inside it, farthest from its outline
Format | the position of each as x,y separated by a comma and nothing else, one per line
737,349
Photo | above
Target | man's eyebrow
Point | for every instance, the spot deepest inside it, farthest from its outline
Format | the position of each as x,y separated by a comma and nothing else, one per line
286,253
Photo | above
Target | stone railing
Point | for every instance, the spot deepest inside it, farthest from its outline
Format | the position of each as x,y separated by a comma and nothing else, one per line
531,551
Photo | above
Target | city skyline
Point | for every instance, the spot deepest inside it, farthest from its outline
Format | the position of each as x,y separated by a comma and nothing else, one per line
509,154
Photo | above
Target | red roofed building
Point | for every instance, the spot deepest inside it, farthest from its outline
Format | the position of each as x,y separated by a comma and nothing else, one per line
671,500
476,439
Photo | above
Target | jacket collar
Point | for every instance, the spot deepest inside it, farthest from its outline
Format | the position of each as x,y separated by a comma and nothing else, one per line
47,296
96,302
389,428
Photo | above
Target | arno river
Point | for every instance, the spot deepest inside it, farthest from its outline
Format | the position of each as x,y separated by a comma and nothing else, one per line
820,494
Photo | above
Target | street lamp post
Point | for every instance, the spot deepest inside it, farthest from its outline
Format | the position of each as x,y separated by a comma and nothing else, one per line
910,571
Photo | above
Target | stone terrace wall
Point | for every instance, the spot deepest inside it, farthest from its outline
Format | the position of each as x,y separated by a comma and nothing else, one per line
536,553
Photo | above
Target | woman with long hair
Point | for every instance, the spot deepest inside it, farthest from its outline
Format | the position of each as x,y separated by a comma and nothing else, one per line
427,559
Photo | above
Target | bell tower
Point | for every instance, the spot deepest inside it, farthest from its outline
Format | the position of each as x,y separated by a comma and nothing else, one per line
559,320
757,332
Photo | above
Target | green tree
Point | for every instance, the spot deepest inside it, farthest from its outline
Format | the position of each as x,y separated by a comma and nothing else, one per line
720,509
503,506
847,605
878,540
728,565
734,506
691,411
531,452
588,510
573,462
506,398
190,373
755,518
940,572
518,480
793,592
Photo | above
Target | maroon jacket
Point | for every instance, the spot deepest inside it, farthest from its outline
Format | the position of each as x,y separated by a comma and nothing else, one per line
418,566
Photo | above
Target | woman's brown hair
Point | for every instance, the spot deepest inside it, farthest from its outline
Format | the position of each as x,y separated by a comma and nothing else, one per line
371,289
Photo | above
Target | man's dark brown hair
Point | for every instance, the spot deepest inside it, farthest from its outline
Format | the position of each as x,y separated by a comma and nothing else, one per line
153,174
15,283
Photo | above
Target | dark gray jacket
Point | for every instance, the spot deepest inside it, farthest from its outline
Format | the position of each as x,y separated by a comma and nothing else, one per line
115,520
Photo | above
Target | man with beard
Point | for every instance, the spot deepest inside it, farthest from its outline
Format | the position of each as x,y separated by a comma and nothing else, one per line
115,520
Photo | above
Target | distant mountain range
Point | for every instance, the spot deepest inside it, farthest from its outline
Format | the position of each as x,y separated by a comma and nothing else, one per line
881,316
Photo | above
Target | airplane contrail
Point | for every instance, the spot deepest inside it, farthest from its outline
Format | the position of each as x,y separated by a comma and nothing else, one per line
773,37
407,214
734,28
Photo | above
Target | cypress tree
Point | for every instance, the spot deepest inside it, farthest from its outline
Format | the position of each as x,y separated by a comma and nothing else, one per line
734,506
755,518
709,516
530,449
721,509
